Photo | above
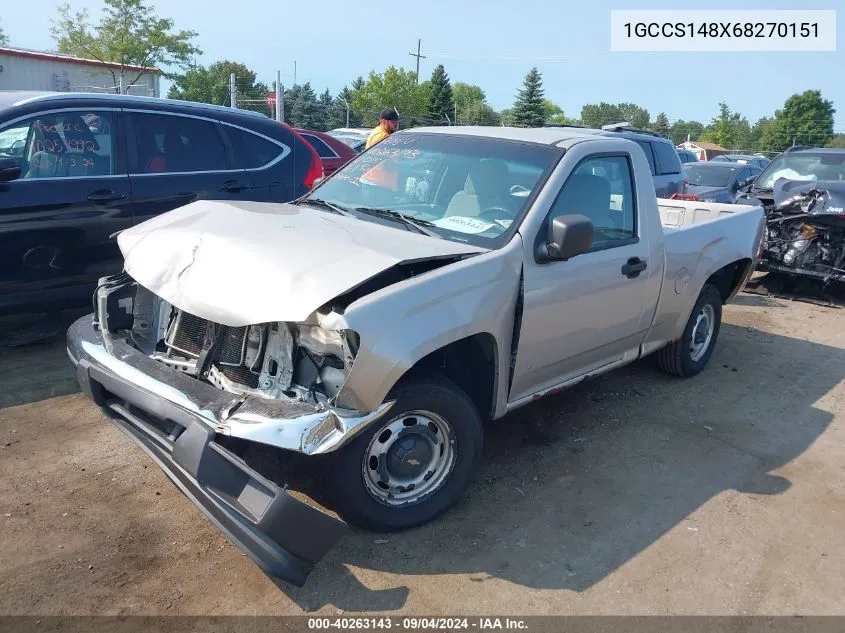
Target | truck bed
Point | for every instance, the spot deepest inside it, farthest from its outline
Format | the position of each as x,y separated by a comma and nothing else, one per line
680,214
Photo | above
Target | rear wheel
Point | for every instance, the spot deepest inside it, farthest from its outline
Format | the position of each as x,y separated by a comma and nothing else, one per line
412,465
690,354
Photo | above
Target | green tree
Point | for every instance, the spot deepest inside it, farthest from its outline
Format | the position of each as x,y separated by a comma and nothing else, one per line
554,115
528,109
805,119
441,106
301,107
758,131
596,115
478,114
337,113
323,106
729,129
473,108
465,94
661,124
211,85
681,130
3,39
637,116
128,34
395,87
838,140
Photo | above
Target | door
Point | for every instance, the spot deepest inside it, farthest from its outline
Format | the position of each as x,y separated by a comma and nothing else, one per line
56,218
270,163
590,311
175,159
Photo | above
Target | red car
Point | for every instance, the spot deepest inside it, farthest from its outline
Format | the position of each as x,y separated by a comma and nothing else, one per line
333,153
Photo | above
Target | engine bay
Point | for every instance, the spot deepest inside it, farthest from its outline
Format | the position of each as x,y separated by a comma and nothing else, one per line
270,360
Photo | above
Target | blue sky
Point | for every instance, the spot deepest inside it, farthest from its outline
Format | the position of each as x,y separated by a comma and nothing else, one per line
333,41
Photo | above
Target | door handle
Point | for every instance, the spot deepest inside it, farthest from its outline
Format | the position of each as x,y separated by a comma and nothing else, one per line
105,196
232,186
634,267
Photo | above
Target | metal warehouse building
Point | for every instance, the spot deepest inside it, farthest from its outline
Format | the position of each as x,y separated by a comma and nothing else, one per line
22,69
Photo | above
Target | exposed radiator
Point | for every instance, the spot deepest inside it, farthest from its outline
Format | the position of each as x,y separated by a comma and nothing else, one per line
186,334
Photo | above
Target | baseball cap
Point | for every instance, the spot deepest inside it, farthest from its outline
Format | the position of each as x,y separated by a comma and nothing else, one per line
390,114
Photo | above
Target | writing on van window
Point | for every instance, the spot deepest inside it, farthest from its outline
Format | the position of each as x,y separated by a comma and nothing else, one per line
69,144
66,159
386,152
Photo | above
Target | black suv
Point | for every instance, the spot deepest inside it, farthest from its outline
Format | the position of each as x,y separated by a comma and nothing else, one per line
663,160
75,168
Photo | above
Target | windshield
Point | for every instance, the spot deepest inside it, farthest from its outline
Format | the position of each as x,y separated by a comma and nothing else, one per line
463,188
803,166
710,175
350,139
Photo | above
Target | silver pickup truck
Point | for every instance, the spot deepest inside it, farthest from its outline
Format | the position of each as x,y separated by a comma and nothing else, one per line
436,282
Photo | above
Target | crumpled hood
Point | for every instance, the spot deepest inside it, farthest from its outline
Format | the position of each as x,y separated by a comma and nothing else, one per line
239,263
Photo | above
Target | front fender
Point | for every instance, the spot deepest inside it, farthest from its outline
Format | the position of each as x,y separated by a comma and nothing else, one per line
403,323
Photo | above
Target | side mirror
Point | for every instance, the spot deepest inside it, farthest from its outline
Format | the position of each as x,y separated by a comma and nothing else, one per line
569,235
10,169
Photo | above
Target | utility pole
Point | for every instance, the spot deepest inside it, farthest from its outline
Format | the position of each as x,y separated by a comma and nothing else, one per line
279,95
418,56
346,103
294,72
233,91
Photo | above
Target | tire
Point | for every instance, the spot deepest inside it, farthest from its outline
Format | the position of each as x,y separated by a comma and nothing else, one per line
678,358
356,479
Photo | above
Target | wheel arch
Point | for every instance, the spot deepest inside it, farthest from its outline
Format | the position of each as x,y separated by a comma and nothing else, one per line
472,363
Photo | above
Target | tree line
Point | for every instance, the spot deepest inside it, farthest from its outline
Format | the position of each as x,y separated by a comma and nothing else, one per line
130,33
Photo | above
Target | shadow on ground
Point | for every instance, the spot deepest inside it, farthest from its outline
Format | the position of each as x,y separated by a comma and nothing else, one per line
577,485
785,287
34,362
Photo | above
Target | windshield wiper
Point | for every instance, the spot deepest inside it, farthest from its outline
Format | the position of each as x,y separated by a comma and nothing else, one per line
325,204
417,224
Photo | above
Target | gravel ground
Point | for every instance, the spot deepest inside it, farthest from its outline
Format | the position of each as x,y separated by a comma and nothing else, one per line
636,493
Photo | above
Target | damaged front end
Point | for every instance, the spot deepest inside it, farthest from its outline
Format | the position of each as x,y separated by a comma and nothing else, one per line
271,369
174,382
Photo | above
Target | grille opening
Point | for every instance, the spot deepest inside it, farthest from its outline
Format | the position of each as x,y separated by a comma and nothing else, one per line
187,334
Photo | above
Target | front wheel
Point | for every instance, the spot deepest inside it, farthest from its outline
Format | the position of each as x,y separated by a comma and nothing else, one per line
689,355
413,464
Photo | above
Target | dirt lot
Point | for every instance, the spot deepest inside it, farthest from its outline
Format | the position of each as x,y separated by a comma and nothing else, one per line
636,493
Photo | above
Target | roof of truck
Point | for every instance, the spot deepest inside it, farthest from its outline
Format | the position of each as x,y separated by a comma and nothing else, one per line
543,135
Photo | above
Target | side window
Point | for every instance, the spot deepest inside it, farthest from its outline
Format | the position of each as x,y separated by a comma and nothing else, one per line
648,154
743,175
62,145
173,144
667,158
323,150
253,151
601,188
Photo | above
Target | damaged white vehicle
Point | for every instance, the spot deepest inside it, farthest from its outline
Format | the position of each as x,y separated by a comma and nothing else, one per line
439,280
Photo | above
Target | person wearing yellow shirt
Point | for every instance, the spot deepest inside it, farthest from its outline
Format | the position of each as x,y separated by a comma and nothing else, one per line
388,124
